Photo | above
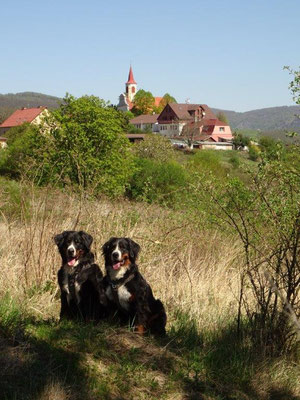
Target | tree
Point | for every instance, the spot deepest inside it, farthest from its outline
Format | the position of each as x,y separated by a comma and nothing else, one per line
155,147
222,117
143,103
83,145
91,149
167,98
240,141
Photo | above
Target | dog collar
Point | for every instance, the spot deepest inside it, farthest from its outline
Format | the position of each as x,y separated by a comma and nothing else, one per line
116,286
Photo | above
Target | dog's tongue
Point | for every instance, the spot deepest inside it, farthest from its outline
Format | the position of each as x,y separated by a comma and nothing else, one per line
72,262
117,266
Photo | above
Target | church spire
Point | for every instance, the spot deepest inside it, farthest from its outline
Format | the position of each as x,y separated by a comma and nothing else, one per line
130,77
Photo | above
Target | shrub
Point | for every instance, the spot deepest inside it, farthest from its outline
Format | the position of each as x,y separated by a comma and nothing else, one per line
155,147
208,161
253,152
162,182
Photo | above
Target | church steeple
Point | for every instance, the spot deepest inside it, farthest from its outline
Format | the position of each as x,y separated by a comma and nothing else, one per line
130,85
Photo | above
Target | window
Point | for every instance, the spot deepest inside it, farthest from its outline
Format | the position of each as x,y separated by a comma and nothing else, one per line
222,129
133,89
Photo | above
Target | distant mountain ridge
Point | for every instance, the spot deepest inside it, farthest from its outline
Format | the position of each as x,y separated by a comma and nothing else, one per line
29,100
265,119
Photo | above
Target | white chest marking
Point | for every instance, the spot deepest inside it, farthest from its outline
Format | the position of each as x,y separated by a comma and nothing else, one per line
77,289
124,297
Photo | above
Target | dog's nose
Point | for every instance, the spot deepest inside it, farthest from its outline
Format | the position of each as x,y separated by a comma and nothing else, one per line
71,251
115,255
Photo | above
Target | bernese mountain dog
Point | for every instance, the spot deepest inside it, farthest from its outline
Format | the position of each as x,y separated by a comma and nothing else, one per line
79,278
128,291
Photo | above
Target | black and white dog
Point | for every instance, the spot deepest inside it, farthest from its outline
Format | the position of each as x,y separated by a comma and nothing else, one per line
128,291
79,278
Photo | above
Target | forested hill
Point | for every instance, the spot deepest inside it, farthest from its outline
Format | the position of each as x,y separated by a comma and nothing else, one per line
11,102
265,119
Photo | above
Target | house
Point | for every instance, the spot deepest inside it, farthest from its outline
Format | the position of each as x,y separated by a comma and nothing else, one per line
207,128
126,99
146,122
19,117
175,116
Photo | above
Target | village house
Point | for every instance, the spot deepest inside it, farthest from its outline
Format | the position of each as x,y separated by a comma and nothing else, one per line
194,125
146,122
31,115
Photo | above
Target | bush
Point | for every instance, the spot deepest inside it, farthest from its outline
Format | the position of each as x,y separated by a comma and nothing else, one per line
253,152
161,182
83,145
208,161
155,147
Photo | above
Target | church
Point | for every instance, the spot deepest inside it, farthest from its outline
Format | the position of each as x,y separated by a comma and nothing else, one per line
126,99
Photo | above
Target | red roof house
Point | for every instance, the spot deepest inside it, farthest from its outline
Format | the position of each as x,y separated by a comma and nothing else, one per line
19,117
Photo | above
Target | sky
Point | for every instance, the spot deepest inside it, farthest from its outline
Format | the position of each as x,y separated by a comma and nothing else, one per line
227,54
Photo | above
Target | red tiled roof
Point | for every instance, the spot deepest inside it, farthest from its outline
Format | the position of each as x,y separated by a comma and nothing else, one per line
182,110
21,116
157,100
145,119
130,77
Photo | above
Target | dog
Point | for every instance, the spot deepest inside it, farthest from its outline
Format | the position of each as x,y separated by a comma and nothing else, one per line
128,291
79,278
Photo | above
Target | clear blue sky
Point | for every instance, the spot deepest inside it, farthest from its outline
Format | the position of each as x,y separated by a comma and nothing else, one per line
227,54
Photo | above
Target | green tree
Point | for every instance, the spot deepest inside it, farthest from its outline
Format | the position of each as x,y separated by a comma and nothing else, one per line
240,141
143,102
91,149
167,98
222,117
155,147
28,152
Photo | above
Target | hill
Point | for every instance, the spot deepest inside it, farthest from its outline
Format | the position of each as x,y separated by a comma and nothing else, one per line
265,119
11,102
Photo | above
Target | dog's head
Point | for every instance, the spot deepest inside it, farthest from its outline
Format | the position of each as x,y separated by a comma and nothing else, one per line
120,253
73,245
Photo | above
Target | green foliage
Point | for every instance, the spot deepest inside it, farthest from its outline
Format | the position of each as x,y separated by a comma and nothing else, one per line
271,149
160,182
155,147
264,214
82,144
234,161
240,141
254,152
27,151
14,202
91,149
208,162
167,98
222,117
295,84
143,102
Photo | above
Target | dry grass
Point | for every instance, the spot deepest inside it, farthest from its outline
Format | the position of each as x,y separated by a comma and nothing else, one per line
192,269
189,268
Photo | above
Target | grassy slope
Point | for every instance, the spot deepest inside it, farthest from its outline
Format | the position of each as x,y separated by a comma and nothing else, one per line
197,279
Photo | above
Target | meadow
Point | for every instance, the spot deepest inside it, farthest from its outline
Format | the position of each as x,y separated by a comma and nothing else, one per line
192,266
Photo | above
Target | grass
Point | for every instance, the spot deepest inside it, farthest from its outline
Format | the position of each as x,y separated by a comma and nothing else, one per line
197,279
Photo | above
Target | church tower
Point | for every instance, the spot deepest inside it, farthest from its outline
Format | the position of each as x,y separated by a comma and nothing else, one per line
130,86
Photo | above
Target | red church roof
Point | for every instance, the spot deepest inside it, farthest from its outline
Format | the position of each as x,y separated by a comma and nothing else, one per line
21,116
130,77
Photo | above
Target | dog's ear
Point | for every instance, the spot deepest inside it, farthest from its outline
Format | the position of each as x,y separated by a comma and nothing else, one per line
58,239
87,239
134,248
106,245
